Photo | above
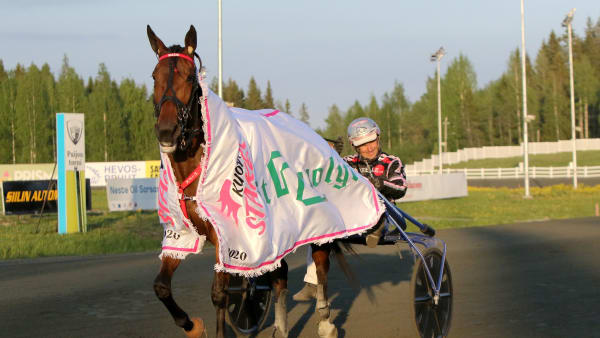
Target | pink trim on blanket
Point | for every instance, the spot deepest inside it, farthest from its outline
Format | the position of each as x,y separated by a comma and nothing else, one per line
169,173
297,244
375,200
274,112
208,142
183,249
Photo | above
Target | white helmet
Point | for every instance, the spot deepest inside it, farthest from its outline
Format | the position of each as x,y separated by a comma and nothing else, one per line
362,130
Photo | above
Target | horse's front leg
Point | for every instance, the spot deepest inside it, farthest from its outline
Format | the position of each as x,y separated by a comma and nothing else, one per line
219,299
320,255
279,278
162,287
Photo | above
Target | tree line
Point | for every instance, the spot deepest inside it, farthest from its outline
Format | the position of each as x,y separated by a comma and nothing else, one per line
491,115
119,117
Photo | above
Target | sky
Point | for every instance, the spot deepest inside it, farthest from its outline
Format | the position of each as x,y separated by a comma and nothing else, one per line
315,52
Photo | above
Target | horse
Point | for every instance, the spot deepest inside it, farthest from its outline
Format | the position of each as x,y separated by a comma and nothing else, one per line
180,135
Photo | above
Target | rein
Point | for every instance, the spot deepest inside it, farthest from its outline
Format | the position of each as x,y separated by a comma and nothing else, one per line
181,186
183,110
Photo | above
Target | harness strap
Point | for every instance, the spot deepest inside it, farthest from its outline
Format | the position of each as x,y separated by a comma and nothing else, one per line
179,55
181,186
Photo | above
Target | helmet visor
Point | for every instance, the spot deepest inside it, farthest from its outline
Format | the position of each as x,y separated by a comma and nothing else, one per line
360,140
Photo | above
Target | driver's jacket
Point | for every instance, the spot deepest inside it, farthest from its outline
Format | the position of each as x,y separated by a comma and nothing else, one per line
386,173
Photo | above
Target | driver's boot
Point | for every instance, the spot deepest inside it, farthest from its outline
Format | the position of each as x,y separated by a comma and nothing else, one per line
372,239
308,292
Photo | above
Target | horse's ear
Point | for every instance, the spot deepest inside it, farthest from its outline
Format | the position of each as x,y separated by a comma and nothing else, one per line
190,41
157,45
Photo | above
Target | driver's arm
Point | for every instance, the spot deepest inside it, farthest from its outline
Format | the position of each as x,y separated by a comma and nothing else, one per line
393,185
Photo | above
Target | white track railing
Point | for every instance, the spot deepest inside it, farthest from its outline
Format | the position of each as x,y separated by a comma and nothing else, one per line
467,154
499,173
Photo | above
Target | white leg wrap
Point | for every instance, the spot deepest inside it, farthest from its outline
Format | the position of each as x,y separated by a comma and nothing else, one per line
321,300
327,329
281,313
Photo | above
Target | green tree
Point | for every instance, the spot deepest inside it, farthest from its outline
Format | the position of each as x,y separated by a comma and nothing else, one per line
70,90
458,104
553,82
46,134
105,120
304,117
7,115
253,100
139,110
233,94
288,107
268,100
393,105
30,103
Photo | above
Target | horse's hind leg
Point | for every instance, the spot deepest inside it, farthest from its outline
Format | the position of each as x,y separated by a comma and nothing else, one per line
162,288
219,299
279,278
320,255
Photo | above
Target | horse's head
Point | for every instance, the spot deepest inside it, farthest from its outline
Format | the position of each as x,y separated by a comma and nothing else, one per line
176,92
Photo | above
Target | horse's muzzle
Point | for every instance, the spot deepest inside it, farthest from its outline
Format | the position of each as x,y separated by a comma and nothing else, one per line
167,135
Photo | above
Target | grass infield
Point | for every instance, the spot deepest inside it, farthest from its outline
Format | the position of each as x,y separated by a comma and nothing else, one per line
137,231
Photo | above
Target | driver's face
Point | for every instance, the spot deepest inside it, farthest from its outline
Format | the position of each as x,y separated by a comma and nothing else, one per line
369,150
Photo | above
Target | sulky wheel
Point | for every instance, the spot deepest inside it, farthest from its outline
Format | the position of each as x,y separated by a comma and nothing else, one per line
431,319
249,301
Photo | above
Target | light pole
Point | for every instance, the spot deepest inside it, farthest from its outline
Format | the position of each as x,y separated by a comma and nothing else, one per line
220,47
567,23
524,83
437,56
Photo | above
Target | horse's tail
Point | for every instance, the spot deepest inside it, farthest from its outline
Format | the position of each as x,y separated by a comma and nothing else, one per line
338,249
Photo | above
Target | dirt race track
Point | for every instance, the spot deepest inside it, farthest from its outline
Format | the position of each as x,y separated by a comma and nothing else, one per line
537,279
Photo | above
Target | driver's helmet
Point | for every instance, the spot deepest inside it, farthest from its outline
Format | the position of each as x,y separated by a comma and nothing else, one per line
362,130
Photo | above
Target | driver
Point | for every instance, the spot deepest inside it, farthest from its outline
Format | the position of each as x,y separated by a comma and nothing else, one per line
384,171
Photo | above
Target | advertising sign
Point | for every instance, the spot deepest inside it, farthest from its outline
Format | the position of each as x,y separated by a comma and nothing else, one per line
70,141
100,172
27,197
132,194
26,172
97,172
432,187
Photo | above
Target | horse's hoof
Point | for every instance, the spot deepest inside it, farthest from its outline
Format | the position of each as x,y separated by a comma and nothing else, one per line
327,329
281,333
198,331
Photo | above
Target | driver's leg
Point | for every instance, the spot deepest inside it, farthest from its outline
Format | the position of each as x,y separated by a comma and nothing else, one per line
375,233
309,291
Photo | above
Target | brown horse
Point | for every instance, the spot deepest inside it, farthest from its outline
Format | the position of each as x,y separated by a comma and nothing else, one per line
179,132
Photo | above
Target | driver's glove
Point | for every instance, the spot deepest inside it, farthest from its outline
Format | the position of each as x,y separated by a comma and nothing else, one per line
377,182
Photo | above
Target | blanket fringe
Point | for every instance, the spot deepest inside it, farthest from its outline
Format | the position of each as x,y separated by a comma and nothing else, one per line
259,271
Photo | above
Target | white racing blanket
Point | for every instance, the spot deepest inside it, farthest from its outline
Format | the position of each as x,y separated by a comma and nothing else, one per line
270,184
180,237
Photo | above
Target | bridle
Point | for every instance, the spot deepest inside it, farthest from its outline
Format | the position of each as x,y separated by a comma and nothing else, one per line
183,110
